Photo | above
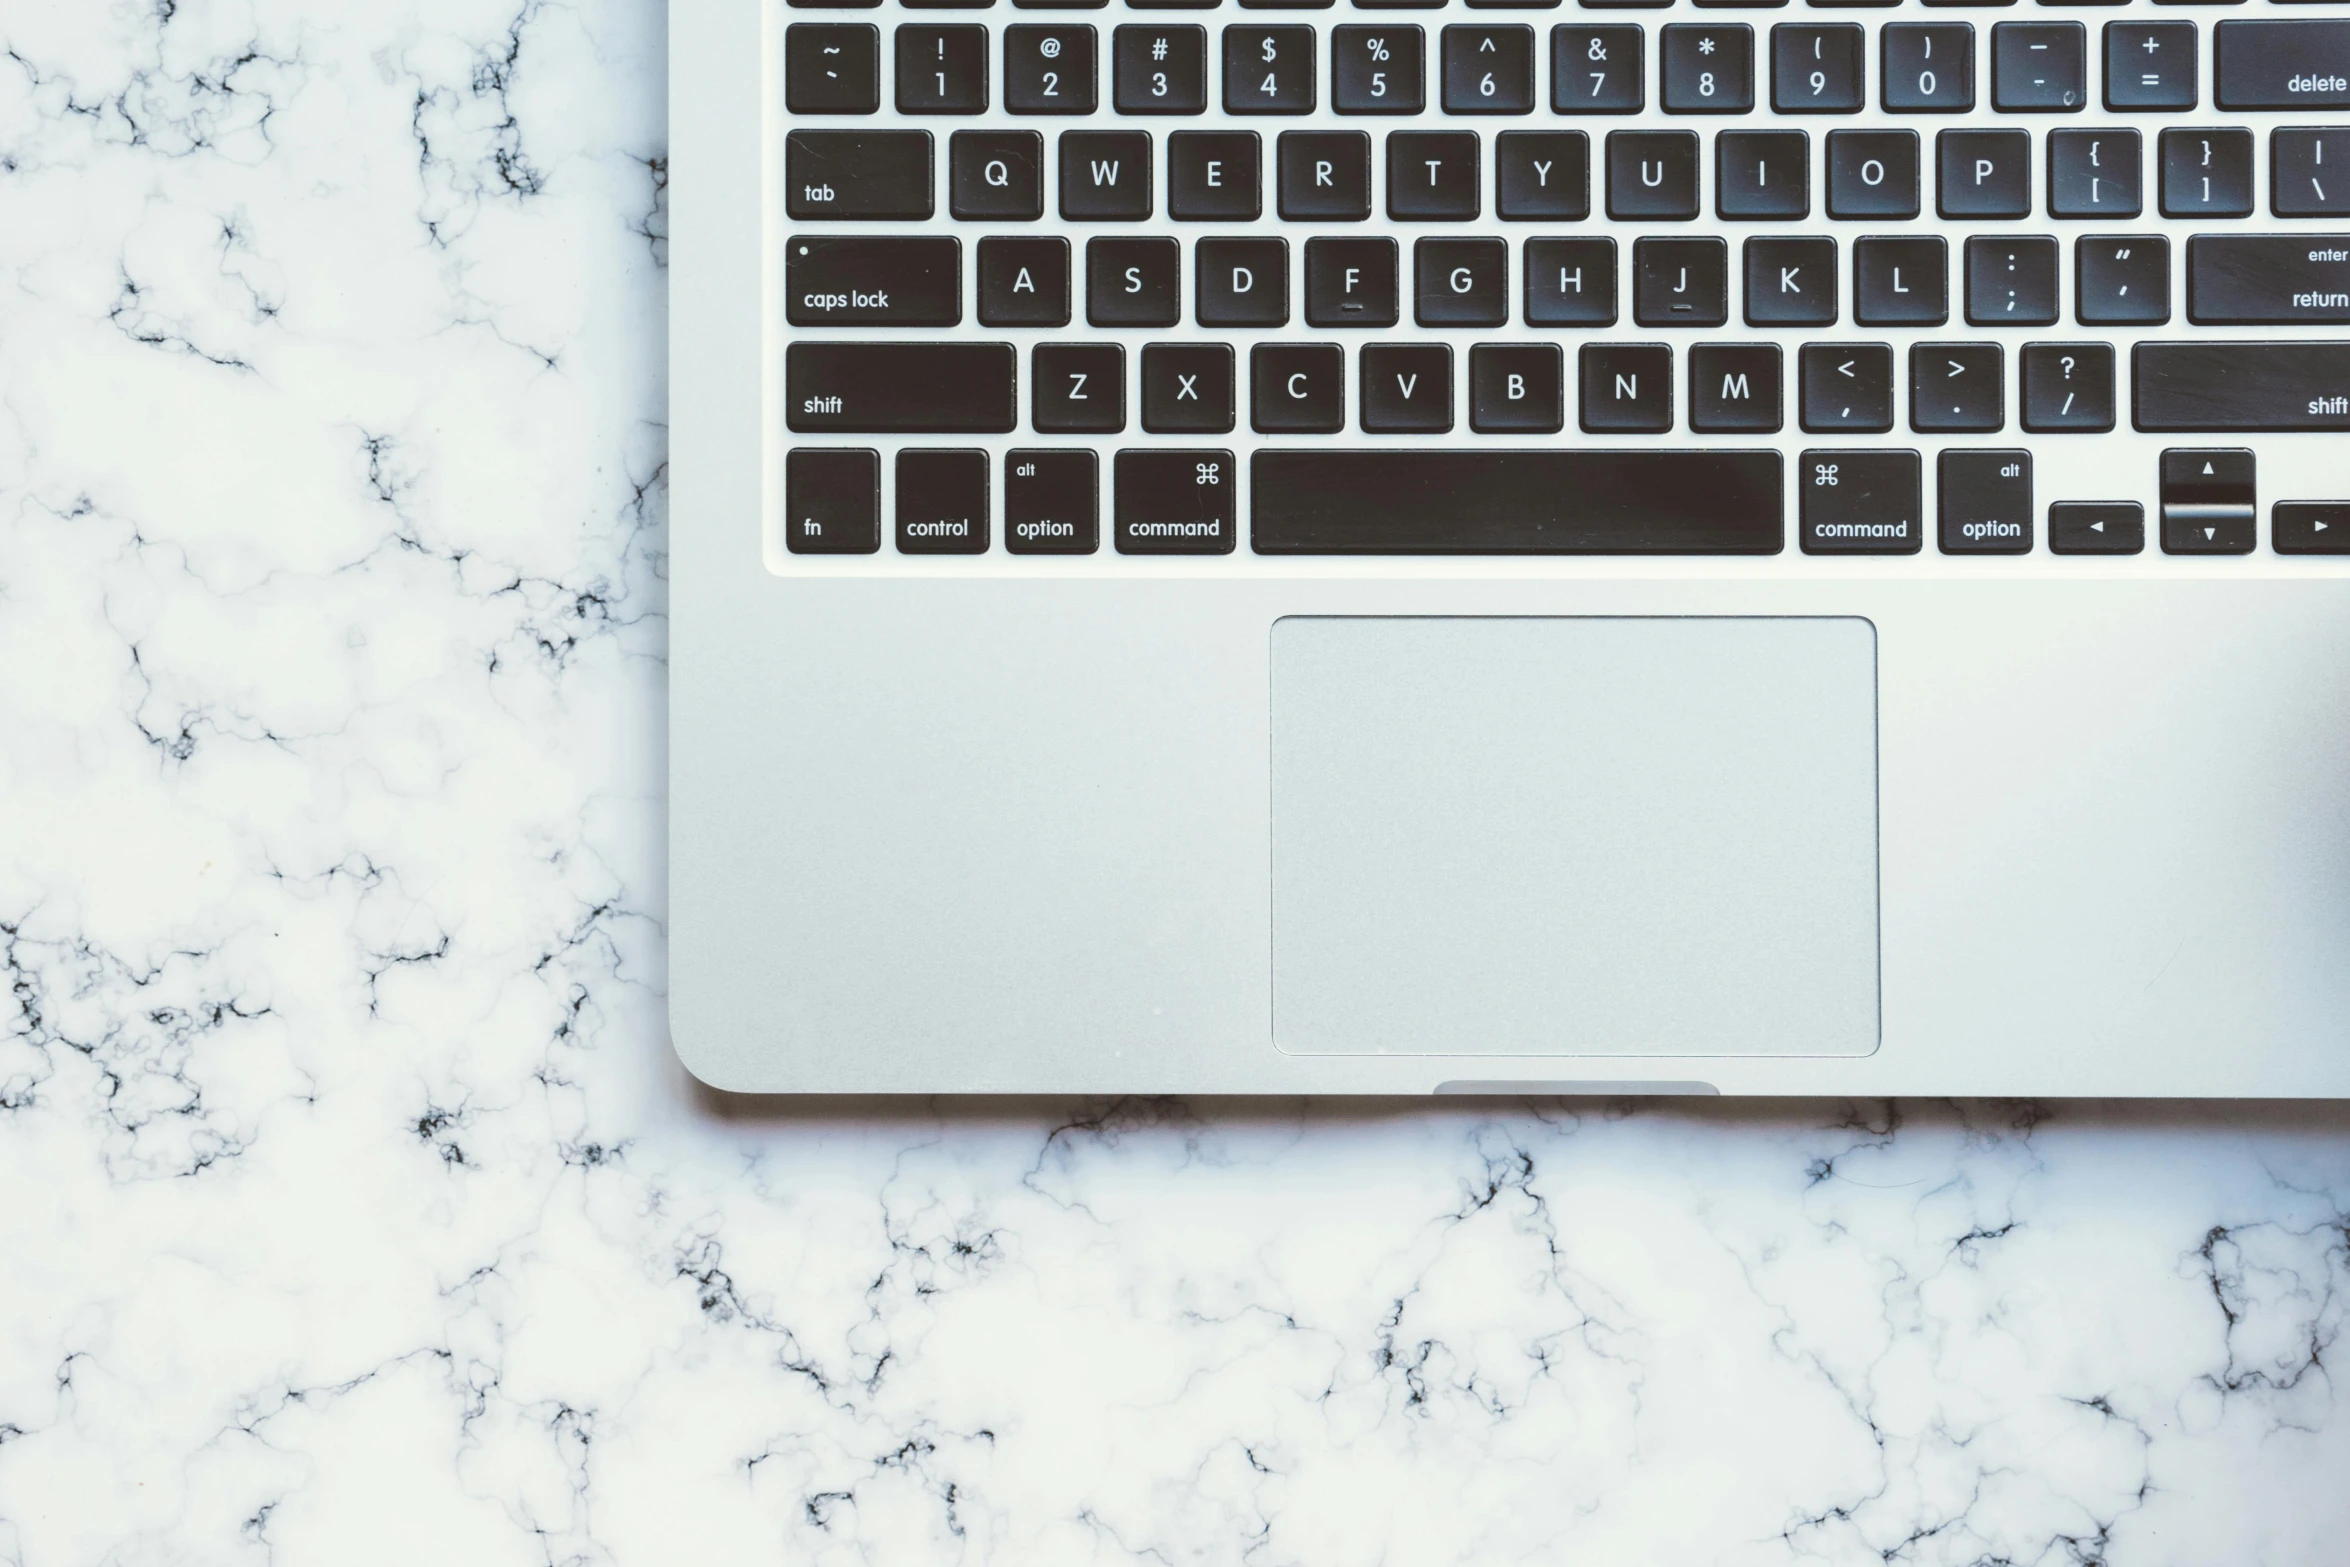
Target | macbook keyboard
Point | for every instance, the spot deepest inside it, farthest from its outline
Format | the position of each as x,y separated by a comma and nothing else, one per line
1635,278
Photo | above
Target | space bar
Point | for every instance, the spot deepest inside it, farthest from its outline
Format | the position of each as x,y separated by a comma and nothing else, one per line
1334,501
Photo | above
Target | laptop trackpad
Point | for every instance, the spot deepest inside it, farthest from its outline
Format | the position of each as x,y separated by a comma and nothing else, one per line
1575,836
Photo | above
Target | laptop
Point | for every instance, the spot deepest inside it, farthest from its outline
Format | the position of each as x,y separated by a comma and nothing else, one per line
1421,548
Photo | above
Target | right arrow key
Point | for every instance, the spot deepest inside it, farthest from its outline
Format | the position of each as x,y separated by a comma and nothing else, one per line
2310,527
2208,501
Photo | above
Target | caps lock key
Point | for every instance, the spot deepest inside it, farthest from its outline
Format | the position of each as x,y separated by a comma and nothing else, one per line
869,280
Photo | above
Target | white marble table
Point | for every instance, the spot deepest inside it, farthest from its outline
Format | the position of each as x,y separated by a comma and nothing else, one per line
356,1211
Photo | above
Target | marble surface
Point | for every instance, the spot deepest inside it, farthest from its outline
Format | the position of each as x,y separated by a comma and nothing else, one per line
355,1210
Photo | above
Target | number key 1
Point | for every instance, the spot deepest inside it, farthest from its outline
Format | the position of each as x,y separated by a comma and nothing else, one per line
1596,70
1377,70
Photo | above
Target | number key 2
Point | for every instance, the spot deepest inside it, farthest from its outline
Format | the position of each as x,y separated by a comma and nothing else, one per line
1048,69
1268,70
1377,70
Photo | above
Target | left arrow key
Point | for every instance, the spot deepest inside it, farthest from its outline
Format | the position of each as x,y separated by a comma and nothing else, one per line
866,280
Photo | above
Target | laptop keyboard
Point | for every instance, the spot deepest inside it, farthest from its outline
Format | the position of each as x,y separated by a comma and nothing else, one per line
1636,278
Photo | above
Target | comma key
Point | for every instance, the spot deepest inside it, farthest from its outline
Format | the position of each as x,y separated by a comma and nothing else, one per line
1176,503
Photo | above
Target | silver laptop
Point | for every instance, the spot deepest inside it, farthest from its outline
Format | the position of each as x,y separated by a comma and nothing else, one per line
1400,548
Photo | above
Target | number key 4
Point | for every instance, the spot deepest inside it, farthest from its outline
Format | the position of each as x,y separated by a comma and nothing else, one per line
1268,70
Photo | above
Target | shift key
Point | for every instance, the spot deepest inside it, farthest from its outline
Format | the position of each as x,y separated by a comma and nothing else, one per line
873,280
900,388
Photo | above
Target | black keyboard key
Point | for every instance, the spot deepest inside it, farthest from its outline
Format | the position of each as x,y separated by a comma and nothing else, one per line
1052,502
1542,176
2309,528
1159,68
1378,70
2241,386
2011,282
1407,388
1350,282
2210,501
996,175
1680,282
1734,388
1708,68
873,280
2068,387
1516,389
942,70
1297,388
1106,176
2309,171
1901,281
942,506
2039,67
1983,174
1488,70
1048,68
1024,281
2268,279
2094,174
857,174
1597,70
1790,282
2150,65
831,501
1571,282
1983,502
1858,503
1872,174
2300,64
1176,502
1762,174
2206,173
1460,282
1187,388
832,68
1080,388
1133,282
1845,387
896,388
2122,280
1651,174
1212,177
1816,68
1432,176
2097,527
1546,501
1240,282
1957,388
1627,388
1325,176
1268,70
1926,67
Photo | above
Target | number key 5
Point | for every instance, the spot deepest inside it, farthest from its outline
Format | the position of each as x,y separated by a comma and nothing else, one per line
1377,70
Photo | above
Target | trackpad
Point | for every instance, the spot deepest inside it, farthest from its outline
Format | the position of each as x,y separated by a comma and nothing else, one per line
1575,836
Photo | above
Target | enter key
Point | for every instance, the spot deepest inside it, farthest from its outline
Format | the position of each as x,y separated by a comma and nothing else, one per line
2268,279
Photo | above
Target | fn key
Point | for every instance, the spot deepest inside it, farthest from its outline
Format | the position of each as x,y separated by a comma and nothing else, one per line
832,502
